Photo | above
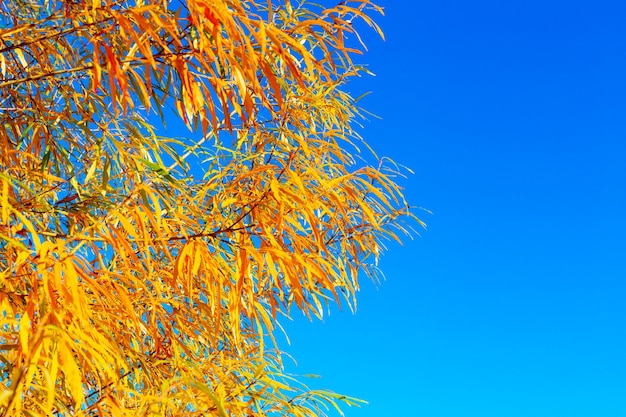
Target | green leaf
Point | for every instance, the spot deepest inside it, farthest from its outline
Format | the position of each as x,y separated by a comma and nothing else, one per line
106,173
162,171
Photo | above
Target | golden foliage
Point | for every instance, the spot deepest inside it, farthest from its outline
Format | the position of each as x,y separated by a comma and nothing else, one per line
127,285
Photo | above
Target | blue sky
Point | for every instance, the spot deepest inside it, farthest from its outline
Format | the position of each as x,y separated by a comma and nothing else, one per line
513,116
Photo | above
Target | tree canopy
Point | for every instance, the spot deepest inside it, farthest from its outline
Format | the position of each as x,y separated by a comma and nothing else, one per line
141,274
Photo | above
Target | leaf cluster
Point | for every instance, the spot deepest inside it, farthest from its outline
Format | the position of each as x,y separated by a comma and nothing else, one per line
145,275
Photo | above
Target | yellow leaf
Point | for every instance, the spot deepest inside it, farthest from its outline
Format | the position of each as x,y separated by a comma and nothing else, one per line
54,370
228,202
91,171
31,228
24,333
5,201
274,187
20,56
73,375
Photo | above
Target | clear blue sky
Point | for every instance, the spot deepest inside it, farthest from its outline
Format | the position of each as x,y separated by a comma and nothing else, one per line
513,116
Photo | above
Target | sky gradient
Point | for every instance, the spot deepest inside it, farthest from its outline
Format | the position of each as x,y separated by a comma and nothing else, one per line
513,117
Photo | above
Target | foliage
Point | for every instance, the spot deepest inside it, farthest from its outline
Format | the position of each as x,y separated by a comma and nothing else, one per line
143,275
